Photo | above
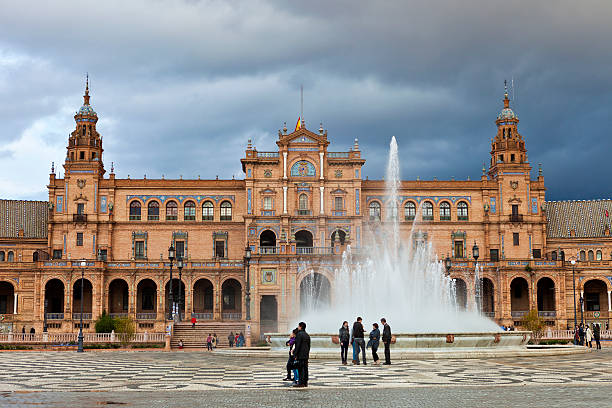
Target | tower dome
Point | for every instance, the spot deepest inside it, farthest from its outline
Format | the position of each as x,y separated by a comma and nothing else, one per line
507,113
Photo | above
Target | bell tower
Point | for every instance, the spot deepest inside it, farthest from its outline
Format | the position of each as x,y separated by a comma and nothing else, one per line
508,147
84,150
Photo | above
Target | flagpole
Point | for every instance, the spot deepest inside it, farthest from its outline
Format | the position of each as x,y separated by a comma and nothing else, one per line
302,102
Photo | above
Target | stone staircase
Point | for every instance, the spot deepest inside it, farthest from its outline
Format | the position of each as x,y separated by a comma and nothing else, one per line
196,337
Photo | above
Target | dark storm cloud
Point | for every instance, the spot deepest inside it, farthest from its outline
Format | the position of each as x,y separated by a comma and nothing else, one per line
181,86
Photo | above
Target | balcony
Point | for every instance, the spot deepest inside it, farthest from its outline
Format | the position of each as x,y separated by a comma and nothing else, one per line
77,316
115,315
519,314
304,212
314,250
203,316
55,316
267,213
550,313
338,155
268,250
338,213
231,316
79,217
146,316
267,154
516,217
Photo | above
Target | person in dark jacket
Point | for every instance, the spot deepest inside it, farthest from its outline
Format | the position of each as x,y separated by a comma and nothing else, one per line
374,342
581,334
597,336
344,337
386,338
301,351
358,340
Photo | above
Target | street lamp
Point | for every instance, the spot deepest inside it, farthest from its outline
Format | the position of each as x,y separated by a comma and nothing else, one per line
448,264
80,347
247,259
581,310
179,265
170,298
475,251
574,289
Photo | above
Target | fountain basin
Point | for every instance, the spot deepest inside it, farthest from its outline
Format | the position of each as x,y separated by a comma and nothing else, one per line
411,345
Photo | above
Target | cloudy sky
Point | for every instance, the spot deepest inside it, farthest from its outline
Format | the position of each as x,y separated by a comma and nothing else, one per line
180,86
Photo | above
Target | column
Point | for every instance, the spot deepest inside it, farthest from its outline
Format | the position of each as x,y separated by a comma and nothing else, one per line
285,199
285,165
16,297
609,304
321,164
321,189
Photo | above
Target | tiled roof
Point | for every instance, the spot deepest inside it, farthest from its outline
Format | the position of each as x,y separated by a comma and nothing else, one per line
587,218
31,216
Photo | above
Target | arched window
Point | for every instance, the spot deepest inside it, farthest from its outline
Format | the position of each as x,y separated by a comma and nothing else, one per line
10,257
598,255
208,211
189,211
1,256
591,255
35,256
171,211
153,211
582,256
303,205
462,211
553,255
226,211
134,211
445,211
391,210
409,211
427,211
374,210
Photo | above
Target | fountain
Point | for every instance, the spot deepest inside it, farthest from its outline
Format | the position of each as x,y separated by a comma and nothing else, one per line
396,276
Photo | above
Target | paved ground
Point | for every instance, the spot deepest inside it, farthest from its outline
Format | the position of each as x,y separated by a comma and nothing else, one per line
192,379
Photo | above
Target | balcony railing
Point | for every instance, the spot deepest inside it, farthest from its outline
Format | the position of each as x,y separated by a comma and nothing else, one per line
338,213
489,314
73,337
338,155
118,314
268,250
203,316
267,213
314,250
518,314
77,316
267,154
231,316
516,217
79,217
550,313
55,316
304,212
146,316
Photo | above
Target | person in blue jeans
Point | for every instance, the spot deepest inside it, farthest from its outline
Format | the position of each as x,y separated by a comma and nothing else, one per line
358,342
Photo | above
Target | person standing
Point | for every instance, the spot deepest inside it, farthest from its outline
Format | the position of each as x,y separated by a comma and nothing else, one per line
581,334
230,339
374,342
209,340
344,337
193,322
597,336
290,343
386,338
301,351
358,333
589,337
215,340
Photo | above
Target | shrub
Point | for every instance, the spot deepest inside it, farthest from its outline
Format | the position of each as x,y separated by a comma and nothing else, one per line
535,324
147,345
105,323
125,329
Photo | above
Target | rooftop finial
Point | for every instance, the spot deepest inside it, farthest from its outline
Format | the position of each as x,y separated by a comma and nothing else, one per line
86,96
540,169
52,167
506,100
112,167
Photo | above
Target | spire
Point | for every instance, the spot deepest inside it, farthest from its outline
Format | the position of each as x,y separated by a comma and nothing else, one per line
506,100
86,96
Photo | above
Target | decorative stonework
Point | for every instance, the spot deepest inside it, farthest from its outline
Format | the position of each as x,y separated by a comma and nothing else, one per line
338,173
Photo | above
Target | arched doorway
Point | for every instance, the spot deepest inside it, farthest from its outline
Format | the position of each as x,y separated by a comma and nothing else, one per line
519,295
87,299
231,300
595,298
7,298
54,299
546,297
118,298
146,300
304,242
177,298
488,297
203,299
340,235
267,242
268,314
460,293
315,293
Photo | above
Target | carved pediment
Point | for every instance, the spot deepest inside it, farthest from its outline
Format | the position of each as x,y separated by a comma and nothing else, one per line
515,199
80,197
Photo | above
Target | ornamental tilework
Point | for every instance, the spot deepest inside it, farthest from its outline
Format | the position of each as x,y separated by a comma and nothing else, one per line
303,168
181,198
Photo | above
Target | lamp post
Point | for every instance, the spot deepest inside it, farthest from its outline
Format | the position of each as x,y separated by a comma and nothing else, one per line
581,310
170,298
574,290
80,340
448,264
179,266
247,259
475,252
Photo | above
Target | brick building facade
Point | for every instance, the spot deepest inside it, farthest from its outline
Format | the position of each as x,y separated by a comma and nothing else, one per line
300,203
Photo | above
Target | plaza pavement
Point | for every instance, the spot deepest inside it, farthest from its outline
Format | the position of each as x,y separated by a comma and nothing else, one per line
161,379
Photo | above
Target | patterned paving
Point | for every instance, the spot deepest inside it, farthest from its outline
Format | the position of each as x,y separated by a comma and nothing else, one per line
154,370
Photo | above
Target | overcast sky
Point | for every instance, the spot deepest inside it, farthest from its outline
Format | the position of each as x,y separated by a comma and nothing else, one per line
180,86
